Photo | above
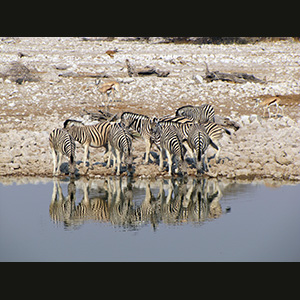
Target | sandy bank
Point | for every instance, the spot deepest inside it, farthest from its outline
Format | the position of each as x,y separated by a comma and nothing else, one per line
262,147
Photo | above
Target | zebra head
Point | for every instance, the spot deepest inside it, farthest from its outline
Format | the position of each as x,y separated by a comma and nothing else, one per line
155,129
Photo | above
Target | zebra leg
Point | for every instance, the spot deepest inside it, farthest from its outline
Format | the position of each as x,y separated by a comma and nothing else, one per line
110,153
118,156
217,156
86,154
161,159
59,162
148,146
54,161
204,163
169,155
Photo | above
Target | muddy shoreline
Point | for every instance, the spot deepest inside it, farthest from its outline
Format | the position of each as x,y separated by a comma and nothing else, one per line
263,148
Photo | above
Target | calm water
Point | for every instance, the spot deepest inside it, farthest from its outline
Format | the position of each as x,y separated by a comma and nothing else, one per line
164,220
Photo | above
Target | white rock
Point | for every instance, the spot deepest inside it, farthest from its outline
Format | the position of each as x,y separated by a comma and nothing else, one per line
198,79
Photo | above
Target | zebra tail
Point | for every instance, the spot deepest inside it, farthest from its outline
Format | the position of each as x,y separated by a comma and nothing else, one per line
199,154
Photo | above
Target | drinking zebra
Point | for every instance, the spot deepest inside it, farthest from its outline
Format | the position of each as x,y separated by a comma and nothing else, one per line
183,125
120,144
198,141
169,140
88,135
199,114
143,125
62,143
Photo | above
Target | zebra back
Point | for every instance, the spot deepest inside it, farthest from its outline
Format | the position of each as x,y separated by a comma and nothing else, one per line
181,124
94,135
175,119
184,125
200,114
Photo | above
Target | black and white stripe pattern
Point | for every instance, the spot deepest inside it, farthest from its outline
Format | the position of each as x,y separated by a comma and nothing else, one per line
143,125
120,144
198,141
169,140
183,125
200,114
88,135
62,143
215,133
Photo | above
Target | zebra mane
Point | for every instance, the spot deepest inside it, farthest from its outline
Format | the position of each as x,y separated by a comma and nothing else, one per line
70,122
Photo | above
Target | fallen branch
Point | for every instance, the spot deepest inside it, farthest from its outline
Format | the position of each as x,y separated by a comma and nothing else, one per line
84,74
234,77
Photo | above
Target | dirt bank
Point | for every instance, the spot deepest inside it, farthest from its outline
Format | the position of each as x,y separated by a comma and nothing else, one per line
262,147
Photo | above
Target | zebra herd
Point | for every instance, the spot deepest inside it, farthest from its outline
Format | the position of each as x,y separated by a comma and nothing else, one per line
191,130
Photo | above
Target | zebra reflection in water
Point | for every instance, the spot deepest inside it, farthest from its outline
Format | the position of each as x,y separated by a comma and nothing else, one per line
130,204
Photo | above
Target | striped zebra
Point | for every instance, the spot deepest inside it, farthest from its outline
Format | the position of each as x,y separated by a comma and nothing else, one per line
62,143
120,144
215,133
183,125
61,207
199,114
198,141
91,207
143,125
95,136
169,140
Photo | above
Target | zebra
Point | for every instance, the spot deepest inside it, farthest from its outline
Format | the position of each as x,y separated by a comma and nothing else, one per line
202,114
215,131
62,143
120,143
89,135
198,141
169,140
175,119
94,207
199,114
61,207
143,125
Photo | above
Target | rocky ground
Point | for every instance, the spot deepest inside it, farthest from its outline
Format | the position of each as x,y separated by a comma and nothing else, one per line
60,82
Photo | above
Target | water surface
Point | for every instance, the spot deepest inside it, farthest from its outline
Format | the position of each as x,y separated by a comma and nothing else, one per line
116,219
